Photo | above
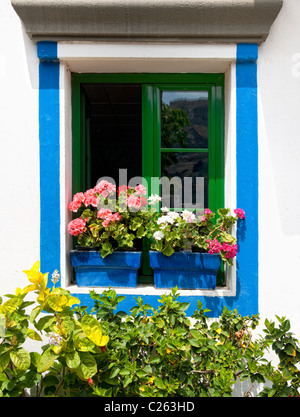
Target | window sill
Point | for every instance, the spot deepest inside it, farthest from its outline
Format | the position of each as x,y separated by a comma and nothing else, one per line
150,290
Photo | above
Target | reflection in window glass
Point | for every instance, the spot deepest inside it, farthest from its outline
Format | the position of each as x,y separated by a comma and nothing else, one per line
184,119
185,165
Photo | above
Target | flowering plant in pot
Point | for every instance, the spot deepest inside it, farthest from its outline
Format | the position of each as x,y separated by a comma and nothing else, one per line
111,222
216,237
212,240
109,219
173,231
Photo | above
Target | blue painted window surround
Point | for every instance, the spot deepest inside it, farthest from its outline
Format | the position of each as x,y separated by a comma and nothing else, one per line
246,298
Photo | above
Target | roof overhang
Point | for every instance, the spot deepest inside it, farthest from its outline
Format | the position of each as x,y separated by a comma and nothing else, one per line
148,20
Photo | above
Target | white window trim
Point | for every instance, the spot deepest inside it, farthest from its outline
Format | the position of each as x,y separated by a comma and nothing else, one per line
153,58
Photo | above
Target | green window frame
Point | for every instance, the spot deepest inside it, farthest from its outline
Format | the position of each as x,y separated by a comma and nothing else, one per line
152,85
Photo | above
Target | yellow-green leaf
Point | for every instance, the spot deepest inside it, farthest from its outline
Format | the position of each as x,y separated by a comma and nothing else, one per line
93,331
104,340
88,366
10,305
32,334
46,360
82,343
4,361
72,300
35,268
73,359
36,277
35,312
57,302
28,288
21,359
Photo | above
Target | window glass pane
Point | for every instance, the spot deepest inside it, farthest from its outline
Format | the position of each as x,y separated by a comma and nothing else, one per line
184,119
192,170
114,112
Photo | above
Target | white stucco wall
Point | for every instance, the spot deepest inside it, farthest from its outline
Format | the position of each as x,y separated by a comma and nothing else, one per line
279,167
19,151
279,157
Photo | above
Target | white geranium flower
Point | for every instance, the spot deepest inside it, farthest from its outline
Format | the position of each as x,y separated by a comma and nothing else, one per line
173,214
153,199
170,219
161,220
164,209
187,215
158,235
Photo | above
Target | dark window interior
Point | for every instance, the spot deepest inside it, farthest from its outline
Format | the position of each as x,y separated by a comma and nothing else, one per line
114,124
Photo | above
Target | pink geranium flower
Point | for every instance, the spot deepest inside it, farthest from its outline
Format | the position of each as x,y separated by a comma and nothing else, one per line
90,198
143,201
110,187
103,213
76,202
230,250
140,190
104,188
116,217
76,226
214,246
133,201
240,213
123,189
111,218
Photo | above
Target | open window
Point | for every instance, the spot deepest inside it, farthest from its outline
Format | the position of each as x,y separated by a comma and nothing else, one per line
151,126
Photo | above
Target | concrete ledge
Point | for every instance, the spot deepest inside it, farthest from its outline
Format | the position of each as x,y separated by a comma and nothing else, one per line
148,20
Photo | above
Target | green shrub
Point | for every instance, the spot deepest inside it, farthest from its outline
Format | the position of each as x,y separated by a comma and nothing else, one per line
146,353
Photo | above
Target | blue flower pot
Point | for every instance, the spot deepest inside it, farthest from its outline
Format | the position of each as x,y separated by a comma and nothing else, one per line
186,270
116,270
